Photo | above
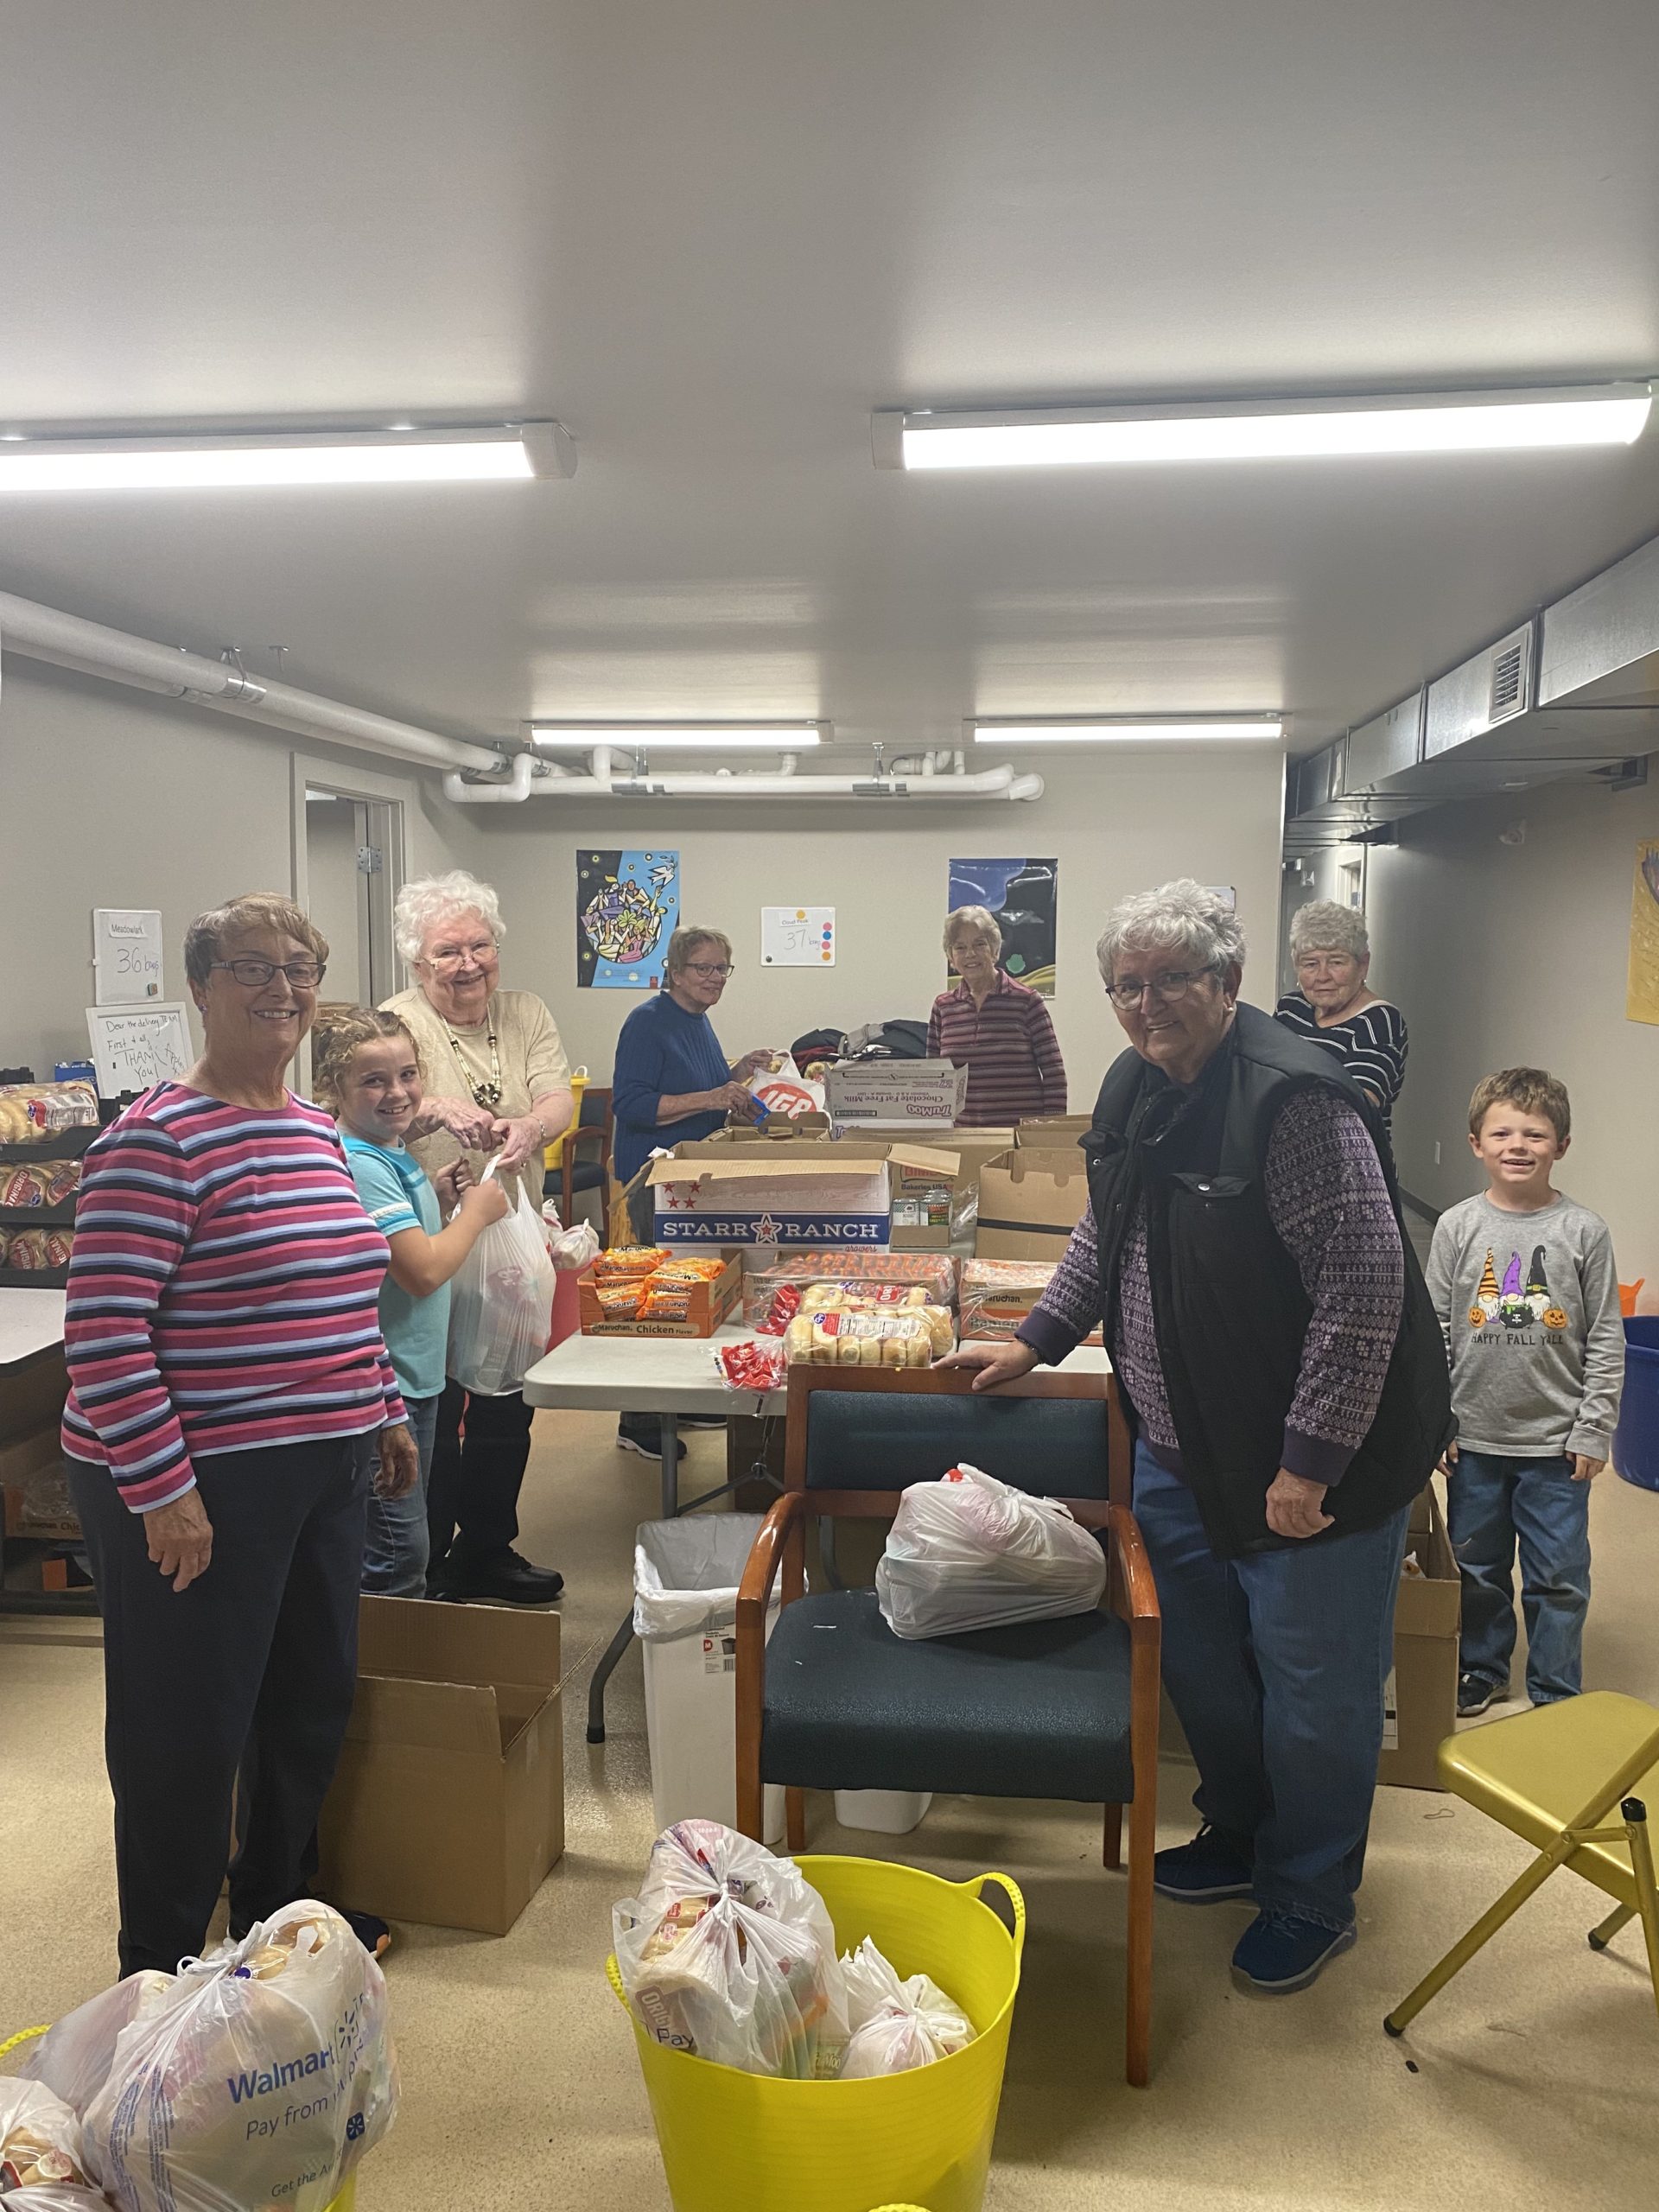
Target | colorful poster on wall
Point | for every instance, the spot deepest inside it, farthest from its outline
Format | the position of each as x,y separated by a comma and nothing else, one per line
1023,896
627,908
1642,991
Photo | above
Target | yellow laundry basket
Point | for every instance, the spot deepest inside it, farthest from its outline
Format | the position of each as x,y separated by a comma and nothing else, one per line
731,2140
553,1158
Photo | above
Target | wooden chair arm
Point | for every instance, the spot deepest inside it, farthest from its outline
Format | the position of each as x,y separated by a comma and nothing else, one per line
1134,1592
767,1555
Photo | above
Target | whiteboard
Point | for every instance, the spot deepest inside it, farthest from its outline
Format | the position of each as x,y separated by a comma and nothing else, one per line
136,1046
797,937
126,956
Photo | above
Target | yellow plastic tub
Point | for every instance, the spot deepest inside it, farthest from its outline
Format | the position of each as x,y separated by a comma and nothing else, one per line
553,1158
924,2138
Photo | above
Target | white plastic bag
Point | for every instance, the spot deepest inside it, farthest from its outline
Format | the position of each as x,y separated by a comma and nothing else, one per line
40,2145
73,2057
260,2081
501,1303
729,1954
896,2024
785,1091
969,1552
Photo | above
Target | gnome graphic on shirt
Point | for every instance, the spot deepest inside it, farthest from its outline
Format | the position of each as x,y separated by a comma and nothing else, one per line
1516,1307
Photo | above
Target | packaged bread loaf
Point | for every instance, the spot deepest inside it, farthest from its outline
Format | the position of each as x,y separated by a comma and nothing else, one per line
860,1340
23,1186
32,1112
997,1294
39,1247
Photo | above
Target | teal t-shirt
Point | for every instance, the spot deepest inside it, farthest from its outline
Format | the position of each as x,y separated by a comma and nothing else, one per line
397,1195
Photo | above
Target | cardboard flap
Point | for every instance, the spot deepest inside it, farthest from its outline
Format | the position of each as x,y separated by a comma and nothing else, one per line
818,1164
435,1716
456,1643
923,1158
1027,1163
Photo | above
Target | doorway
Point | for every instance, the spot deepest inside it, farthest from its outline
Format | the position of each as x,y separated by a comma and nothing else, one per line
353,867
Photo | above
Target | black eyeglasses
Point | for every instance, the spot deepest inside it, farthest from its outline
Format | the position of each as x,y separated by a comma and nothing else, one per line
303,974
1171,988
708,971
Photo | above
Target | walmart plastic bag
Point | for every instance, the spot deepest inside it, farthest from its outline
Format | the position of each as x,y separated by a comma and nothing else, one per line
74,2056
41,2153
501,1303
969,1552
727,1954
260,2081
572,1249
896,2024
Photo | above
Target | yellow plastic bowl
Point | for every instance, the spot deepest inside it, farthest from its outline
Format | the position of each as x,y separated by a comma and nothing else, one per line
729,2138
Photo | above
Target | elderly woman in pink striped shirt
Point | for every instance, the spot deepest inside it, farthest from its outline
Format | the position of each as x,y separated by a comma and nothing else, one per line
999,1030
225,1355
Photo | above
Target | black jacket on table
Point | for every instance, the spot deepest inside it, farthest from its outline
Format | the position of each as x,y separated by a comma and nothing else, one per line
1229,1307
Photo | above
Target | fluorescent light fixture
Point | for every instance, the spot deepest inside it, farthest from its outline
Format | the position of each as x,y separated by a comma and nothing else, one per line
499,454
1456,421
1147,730
678,737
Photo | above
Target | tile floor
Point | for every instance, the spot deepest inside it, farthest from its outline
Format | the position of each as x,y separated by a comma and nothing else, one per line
1536,2075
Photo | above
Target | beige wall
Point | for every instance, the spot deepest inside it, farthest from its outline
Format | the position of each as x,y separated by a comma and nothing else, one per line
1501,955
110,797
1117,827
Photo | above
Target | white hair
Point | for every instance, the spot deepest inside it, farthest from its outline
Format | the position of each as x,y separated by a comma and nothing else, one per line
433,899
1324,926
1180,917
980,919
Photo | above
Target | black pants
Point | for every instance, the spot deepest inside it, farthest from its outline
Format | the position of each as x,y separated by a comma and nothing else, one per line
472,1501
243,1684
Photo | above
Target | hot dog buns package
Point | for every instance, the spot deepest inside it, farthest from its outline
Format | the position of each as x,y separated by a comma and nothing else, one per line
256,2082
908,1338
774,1295
32,1112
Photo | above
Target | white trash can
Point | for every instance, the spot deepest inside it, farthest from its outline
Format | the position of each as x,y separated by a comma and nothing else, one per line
685,1578
882,1812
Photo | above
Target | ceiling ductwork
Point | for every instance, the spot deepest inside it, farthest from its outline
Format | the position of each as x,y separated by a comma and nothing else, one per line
937,776
1572,692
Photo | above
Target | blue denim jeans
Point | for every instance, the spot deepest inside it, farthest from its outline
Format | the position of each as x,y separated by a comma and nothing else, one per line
1276,1667
1493,1503
396,1551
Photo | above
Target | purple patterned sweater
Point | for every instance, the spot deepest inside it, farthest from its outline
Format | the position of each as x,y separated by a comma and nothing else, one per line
1330,1207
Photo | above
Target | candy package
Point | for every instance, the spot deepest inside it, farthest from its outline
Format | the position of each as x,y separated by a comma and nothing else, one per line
729,1954
759,1363
896,2024
969,1553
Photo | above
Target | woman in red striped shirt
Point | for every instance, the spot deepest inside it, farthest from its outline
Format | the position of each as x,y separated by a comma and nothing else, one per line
223,1339
998,1029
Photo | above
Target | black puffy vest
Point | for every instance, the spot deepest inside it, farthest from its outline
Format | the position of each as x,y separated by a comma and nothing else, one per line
1229,1305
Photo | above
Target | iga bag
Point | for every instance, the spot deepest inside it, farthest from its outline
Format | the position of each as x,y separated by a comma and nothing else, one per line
501,1304
969,1553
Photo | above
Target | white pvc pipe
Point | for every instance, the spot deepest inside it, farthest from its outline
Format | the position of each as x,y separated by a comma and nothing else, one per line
93,649
1001,783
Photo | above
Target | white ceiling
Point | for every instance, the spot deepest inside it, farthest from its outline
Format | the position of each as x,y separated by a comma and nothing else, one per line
710,238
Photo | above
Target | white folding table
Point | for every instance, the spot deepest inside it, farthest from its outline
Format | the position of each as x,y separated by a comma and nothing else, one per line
667,1376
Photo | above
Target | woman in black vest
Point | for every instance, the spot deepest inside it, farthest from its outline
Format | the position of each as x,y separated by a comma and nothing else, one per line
1286,1382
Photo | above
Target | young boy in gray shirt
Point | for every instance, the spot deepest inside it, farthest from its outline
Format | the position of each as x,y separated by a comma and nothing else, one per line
1526,1288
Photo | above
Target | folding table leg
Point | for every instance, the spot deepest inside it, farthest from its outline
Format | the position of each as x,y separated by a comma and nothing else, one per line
606,1667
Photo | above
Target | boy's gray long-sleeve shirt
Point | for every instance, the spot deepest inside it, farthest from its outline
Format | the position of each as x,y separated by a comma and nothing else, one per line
1529,1305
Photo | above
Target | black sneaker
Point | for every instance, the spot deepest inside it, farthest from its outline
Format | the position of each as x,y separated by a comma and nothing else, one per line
504,1578
646,1439
1281,1952
370,1931
1207,1870
701,1421
1476,1694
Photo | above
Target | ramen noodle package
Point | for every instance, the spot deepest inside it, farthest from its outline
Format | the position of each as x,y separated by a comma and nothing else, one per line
729,1954
259,2081
969,1553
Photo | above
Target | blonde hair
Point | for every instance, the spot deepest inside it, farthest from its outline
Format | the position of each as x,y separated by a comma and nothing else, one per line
206,938
430,899
684,943
342,1032
980,919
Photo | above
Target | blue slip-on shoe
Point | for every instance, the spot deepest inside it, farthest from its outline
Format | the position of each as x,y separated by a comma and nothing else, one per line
1279,1952
1207,1870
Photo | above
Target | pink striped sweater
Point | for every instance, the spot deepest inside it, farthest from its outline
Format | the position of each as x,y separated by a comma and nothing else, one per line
223,1294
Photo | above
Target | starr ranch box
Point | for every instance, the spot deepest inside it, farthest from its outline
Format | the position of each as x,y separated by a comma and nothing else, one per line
740,1195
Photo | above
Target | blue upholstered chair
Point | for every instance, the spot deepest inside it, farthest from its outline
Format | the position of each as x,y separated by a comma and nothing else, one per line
1065,1708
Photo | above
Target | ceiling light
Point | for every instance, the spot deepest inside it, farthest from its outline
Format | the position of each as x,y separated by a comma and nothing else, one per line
501,452
1157,732
680,737
1466,422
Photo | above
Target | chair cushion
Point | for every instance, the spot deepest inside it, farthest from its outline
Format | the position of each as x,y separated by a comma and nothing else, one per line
860,1439
1040,1711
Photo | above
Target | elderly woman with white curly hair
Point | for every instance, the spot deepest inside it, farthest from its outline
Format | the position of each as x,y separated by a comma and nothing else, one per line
496,1080
1285,1382
1332,1004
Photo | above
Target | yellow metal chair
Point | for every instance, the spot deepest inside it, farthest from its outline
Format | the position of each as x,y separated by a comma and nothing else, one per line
1553,1775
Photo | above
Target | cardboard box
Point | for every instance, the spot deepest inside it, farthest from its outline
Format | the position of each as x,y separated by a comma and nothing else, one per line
934,1194
788,1194
895,1094
1421,1705
711,1303
1053,1132
1029,1204
447,1806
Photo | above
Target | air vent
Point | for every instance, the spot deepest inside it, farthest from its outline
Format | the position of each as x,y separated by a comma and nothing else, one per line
1511,677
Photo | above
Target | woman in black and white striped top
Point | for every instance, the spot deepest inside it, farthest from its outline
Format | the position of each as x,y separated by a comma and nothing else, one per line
1334,1006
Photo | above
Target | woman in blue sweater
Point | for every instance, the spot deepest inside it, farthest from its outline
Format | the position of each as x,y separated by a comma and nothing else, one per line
672,1084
